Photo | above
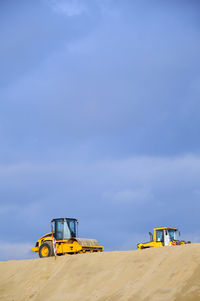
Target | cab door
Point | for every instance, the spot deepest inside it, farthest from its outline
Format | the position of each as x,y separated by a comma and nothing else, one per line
67,233
166,238
159,238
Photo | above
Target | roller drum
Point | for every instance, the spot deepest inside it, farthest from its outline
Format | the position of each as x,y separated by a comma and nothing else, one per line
87,242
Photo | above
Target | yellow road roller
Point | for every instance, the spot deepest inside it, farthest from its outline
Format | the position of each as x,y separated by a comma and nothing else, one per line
163,236
63,240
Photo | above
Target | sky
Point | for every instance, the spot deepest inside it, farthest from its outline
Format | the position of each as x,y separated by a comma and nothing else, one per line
99,120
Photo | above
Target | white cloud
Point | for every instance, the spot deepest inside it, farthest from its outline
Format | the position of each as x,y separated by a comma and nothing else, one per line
12,251
134,239
4,209
69,7
143,192
129,195
28,188
73,8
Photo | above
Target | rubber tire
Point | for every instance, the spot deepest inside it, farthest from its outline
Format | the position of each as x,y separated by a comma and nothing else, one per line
49,245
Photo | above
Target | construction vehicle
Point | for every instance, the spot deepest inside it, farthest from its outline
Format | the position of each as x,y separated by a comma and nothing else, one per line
163,236
63,239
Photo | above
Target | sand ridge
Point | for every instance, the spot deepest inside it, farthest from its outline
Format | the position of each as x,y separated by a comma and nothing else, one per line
169,273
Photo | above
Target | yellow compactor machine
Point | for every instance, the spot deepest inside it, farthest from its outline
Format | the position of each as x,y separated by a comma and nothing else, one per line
64,233
163,236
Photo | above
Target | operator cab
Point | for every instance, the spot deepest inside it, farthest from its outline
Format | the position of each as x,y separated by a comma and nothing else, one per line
64,228
166,235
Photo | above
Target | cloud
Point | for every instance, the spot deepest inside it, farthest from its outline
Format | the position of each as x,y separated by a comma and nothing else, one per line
121,88
135,195
13,251
75,8
134,182
111,198
69,7
7,209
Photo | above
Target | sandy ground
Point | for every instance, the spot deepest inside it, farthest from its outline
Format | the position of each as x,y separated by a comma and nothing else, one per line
170,273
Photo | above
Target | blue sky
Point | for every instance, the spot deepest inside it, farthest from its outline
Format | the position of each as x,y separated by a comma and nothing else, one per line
99,119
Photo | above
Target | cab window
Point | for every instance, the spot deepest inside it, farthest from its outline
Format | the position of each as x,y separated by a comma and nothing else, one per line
159,236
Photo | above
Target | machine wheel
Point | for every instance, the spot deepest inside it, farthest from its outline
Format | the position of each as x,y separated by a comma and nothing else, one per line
46,249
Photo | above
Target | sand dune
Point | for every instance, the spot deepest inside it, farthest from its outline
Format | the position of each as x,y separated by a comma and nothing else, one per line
170,273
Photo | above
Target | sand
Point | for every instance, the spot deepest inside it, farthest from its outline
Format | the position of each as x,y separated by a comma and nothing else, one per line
170,273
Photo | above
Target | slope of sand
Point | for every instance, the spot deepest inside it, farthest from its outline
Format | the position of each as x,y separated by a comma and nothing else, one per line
170,273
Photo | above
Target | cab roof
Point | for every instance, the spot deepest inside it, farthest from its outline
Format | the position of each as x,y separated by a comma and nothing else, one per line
64,218
162,228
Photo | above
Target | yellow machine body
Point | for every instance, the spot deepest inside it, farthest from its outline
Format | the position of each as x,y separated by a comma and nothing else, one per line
72,245
163,236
